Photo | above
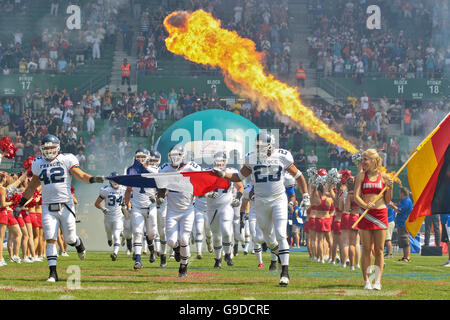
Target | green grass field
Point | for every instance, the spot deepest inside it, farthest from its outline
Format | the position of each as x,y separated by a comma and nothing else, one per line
421,279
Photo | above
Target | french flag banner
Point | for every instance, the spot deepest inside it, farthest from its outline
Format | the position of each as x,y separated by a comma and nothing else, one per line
197,182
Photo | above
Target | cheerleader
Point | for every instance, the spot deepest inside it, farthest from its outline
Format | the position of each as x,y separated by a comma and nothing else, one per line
373,227
323,206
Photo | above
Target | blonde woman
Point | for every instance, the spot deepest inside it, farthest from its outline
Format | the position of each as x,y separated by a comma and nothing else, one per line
373,227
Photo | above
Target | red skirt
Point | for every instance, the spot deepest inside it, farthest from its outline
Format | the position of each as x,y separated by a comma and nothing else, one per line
347,221
379,214
324,224
336,226
312,223
11,219
39,219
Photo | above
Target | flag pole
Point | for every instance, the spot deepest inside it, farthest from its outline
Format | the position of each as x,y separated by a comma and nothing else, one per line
385,188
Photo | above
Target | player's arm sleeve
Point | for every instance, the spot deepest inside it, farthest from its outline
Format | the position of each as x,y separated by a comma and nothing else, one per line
71,161
35,167
290,191
287,160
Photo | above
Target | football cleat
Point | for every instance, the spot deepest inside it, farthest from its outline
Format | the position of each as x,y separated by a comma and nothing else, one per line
53,277
137,265
260,266
218,263
199,257
228,259
284,280
113,256
163,262
273,266
152,257
182,272
110,243
81,250
64,254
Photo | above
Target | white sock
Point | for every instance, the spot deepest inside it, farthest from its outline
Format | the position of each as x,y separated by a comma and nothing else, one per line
52,252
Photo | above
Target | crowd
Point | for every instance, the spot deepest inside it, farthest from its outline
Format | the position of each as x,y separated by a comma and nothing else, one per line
265,22
53,48
410,43
73,117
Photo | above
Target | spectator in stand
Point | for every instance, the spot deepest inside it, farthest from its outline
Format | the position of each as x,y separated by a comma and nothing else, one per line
394,149
162,104
146,124
312,159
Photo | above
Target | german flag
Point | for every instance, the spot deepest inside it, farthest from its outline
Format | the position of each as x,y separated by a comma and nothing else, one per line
428,176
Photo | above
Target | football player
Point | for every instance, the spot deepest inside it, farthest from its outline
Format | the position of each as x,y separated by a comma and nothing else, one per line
221,204
54,171
180,209
143,210
161,210
267,165
112,195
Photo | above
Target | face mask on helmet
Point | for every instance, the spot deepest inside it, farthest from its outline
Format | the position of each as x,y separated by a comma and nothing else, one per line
141,156
49,150
154,161
220,162
176,157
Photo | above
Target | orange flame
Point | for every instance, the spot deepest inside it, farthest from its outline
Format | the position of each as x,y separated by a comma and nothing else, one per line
199,38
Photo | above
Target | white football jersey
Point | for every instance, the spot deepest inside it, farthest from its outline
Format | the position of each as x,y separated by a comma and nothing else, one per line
268,173
55,177
140,197
113,199
179,201
225,195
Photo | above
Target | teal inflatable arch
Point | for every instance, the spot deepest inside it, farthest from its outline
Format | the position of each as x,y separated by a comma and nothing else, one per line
204,133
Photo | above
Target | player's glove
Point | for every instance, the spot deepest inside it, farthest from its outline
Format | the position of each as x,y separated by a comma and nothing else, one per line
306,202
96,179
218,172
105,211
213,195
160,201
291,206
152,198
235,203
251,195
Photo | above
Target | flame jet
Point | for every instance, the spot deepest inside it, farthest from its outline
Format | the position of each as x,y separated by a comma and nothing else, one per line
199,37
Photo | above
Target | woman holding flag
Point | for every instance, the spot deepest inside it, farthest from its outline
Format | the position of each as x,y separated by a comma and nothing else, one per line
368,185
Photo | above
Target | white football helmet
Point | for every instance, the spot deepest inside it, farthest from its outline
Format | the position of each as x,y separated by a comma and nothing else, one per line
265,143
50,147
142,155
220,160
176,156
